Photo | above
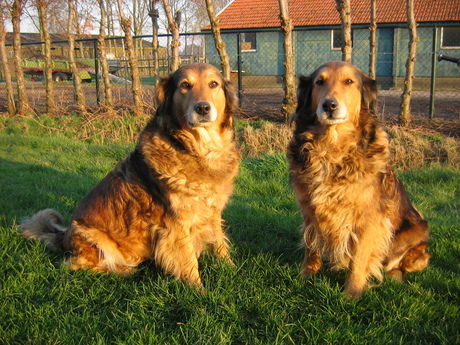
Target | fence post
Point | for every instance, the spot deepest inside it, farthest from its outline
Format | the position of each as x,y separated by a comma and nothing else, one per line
240,76
96,69
434,61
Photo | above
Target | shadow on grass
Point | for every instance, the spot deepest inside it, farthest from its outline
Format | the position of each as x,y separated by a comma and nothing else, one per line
29,188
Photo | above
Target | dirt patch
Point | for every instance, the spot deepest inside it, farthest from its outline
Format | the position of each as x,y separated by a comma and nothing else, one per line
262,103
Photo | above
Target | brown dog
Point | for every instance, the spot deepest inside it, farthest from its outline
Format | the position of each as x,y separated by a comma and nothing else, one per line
164,201
355,210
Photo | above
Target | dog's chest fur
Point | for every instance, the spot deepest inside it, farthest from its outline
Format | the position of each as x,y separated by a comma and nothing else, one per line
199,175
335,179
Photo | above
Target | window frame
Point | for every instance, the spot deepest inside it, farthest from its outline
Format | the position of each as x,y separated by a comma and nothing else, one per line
442,37
253,42
332,39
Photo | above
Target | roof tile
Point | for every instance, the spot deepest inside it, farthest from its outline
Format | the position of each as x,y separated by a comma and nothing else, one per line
265,13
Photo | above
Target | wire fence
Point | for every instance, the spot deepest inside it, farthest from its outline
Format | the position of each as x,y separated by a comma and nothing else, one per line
257,58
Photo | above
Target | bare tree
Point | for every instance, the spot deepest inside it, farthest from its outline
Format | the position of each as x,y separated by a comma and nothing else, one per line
405,113
42,6
132,58
218,41
288,105
344,8
199,16
174,29
11,106
78,89
108,98
16,11
153,13
373,40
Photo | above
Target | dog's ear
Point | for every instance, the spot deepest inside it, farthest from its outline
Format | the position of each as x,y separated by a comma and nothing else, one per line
369,94
231,98
303,113
163,95
231,102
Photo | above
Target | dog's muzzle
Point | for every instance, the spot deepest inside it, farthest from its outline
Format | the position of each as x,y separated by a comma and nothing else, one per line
330,112
203,114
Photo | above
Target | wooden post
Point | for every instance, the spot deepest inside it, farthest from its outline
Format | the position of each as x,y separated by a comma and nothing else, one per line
133,63
344,8
404,113
219,43
373,40
79,94
175,43
11,106
288,105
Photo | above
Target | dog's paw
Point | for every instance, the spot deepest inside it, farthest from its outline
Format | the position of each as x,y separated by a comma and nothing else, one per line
396,274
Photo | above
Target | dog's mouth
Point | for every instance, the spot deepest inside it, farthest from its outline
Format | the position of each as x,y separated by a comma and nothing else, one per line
331,121
334,118
201,123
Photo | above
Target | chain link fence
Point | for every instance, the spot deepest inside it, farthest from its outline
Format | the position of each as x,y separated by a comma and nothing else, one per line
257,58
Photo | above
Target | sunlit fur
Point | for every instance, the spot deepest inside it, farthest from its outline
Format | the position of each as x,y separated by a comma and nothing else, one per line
165,200
356,212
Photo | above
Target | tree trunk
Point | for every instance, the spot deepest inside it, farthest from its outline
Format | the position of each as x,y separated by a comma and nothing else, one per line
78,89
373,40
108,98
153,13
23,104
11,106
133,64
175,43
42,7
219,43
344,8
288,105
404,113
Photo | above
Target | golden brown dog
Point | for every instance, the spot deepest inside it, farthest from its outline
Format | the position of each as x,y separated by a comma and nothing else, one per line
355,210
164,201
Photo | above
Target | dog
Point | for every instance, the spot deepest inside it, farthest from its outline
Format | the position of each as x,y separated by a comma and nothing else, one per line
163,202
355,210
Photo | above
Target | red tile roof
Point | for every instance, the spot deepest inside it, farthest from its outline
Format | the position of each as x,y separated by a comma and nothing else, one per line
265,13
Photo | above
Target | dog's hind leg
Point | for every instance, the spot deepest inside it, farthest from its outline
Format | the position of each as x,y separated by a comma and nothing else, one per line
93,249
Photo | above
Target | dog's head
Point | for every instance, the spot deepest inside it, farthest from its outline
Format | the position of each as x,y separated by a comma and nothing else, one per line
335,93
195,95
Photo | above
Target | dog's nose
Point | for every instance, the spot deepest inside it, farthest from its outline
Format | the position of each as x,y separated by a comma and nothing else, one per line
202,108
330,105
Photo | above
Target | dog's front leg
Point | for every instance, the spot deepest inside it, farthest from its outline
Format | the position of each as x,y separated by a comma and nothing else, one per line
367,260
312,261
175,253
219,245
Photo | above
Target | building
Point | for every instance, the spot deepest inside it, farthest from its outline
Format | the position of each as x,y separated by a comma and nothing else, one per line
317,36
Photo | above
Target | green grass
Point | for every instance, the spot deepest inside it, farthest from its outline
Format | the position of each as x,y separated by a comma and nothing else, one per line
261,301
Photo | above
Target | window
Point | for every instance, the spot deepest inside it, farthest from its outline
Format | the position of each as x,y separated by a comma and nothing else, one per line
248,41
336,39
450,37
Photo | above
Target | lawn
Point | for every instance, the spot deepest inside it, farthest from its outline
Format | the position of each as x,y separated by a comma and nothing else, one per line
260,301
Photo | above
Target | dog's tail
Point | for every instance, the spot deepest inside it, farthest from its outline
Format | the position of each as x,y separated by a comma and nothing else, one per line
46,226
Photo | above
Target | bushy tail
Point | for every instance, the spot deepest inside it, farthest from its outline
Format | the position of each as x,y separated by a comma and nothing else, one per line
46,226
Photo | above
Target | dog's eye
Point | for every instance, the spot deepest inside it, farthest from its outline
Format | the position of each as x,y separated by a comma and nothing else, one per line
213,84
319,82
185,85
349,81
